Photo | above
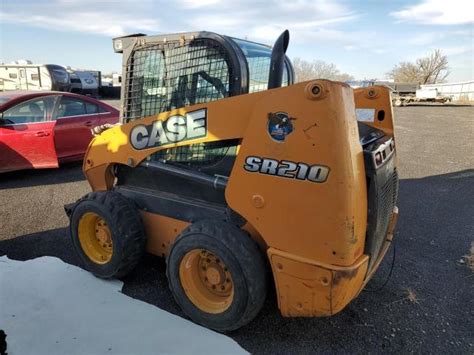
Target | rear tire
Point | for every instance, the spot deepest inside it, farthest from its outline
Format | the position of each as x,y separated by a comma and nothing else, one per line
217,275
107,234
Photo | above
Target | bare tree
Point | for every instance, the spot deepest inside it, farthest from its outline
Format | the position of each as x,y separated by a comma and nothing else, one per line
427,70
317,69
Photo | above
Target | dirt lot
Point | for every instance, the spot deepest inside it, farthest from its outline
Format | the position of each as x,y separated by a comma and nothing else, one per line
428,304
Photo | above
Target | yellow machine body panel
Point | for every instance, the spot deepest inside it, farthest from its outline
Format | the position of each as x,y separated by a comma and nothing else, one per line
377,98
322,221
313,231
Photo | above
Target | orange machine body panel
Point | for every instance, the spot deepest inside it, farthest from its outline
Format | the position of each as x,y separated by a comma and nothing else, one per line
313,232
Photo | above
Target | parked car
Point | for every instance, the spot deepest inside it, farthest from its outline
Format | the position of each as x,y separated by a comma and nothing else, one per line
43,129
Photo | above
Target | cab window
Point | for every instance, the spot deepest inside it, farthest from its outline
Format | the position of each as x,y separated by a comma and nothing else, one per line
258,58
31,111
69,107
91,108
162,77
103,110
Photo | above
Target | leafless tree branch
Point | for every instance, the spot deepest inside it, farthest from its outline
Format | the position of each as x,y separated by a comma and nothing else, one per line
427,70
318,69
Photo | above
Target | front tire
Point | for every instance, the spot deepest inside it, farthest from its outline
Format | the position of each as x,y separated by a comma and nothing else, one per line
217,275
107,234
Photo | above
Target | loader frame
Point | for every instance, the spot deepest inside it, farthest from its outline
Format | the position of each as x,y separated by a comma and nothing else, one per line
319,199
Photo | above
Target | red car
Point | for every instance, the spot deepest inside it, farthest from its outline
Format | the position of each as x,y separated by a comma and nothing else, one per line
43,129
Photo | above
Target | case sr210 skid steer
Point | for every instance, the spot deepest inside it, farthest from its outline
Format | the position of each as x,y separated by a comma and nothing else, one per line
234,173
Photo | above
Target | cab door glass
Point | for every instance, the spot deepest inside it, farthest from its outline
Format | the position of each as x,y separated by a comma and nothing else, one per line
70,107
164,77
258,58
91,109
31,111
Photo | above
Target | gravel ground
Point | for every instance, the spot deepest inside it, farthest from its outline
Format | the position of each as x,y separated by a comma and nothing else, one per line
436,228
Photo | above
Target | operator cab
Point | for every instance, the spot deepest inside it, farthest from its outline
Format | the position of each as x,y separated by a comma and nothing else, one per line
166,72
172,71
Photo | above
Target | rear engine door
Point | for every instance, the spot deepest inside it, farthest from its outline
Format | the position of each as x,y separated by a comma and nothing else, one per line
74,120
27,136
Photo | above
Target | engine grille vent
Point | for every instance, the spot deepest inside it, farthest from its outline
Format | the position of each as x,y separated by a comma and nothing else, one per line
383,193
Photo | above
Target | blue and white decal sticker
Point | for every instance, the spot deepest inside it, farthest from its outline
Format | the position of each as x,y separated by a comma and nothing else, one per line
279,125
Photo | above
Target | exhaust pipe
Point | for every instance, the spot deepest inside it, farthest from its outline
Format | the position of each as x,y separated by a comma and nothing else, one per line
277,62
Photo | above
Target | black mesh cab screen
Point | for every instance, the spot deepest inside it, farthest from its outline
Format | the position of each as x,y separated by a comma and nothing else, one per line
165,76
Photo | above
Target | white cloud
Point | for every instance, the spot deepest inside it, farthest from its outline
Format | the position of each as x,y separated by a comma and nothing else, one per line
193,4
308,22
457,50
109,18
89,22
260,20
423,39
438,12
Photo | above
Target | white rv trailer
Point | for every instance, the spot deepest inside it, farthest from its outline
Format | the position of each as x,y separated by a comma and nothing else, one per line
84,82
23,75
112,80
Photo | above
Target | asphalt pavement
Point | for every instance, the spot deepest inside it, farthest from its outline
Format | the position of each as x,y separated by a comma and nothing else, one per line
427,305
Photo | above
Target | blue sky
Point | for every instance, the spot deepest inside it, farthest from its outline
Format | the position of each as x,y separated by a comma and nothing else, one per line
363,38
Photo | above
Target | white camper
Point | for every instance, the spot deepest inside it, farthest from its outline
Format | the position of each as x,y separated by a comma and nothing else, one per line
112,80
84,82
23,75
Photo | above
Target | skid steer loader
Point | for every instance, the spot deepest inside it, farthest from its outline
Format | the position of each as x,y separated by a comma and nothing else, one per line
233,173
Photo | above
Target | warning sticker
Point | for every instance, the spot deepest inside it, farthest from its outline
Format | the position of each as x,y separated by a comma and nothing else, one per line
365,114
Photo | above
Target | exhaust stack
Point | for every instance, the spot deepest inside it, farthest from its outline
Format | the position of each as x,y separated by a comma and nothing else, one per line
277,62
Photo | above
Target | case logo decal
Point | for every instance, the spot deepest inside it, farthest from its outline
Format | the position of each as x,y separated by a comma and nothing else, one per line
175,129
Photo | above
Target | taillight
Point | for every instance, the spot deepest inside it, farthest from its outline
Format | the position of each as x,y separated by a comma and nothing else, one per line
378,159
383,152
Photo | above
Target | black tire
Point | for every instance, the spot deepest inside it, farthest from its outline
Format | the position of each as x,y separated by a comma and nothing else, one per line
244,261
126,227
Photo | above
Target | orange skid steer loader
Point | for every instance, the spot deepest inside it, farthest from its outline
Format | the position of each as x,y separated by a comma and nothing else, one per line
231,171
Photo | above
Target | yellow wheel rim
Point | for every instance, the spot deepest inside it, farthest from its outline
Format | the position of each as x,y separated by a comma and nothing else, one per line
95,238
206,281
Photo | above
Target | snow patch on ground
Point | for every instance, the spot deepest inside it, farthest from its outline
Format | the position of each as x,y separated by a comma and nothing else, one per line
50,307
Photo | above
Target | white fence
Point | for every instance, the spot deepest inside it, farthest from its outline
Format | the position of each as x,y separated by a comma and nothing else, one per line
463,91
